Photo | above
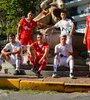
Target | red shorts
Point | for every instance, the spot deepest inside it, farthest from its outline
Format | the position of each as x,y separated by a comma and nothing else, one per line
38,57
88,44
25,41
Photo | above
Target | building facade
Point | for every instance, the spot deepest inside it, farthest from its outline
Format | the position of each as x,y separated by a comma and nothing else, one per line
78,9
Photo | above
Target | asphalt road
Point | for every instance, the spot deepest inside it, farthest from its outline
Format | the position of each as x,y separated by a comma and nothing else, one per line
41,95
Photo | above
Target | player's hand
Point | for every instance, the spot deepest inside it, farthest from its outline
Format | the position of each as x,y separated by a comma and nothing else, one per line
46,31
40,61
8,53
84,41
17,37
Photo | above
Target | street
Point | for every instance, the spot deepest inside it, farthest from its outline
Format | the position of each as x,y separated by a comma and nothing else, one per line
42,95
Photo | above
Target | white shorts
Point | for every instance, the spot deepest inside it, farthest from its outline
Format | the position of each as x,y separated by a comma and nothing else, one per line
64,61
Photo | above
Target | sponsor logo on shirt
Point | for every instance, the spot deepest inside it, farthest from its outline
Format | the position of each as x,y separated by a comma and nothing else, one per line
26,28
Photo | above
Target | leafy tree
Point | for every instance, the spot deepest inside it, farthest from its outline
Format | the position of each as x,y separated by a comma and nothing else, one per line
11,11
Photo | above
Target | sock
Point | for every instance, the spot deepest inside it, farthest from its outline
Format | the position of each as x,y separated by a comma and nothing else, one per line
43,64
1,61
17,64
71,64
55,65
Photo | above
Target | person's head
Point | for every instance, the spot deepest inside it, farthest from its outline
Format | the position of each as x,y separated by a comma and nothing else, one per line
63,14
63,39
29,15
12,38
39,37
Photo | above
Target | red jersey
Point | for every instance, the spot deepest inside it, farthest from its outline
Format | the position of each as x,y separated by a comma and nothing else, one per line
26,27
40,49
88,25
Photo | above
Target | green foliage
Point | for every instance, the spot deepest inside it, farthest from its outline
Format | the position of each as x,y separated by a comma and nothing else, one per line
11,11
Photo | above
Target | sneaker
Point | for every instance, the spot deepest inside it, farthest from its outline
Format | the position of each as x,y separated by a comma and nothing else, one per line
16,72
22,72
34,70
0,67
87,61
71,75
88,75
38,74
54,75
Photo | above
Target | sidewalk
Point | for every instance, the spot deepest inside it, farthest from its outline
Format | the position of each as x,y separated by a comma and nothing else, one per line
30,81
62,84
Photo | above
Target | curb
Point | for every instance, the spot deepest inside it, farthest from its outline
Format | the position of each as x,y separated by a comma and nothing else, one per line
9,83
76,87
41,85
37,85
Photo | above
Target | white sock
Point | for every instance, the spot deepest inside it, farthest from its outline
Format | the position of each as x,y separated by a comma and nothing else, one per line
1,61
55,65
71,64
17,64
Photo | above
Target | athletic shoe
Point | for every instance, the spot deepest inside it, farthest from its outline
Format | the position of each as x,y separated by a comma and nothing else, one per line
71,75
88,75
0,67
34,70
22,72
88,61
16,72
54,75
38,74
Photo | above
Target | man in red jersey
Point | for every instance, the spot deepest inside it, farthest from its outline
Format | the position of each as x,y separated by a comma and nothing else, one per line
25,28
38,52
86,39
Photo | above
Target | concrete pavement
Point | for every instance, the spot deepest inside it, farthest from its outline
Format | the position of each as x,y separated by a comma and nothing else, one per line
29,81
62,84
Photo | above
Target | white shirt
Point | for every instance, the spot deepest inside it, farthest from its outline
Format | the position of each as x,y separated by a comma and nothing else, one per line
64,50
65,24
12,47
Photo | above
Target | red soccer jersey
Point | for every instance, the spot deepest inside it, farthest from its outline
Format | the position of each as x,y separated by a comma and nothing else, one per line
26,28
88,25
40,50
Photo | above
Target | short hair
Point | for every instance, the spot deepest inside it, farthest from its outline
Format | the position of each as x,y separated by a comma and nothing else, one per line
40,34
64,11
11,35
63,35
30,11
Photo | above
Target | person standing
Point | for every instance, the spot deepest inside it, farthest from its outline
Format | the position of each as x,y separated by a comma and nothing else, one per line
25,30
38,52
86,39
63,56
64,24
